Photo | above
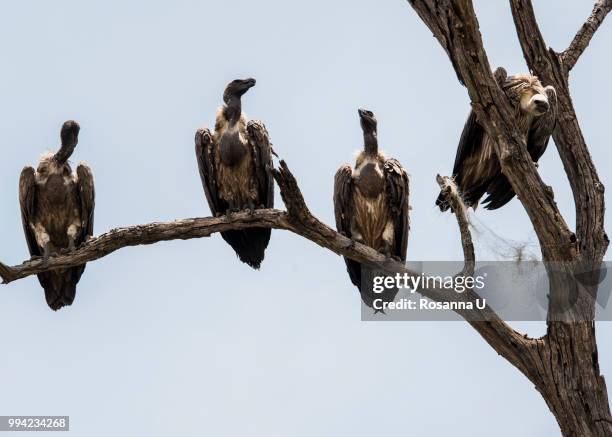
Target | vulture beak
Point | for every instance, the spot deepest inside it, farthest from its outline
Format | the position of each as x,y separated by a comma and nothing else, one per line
364,113
541,106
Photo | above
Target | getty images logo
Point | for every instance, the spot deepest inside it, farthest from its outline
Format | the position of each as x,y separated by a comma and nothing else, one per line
399,281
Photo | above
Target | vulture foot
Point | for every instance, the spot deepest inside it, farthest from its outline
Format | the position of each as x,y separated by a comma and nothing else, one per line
251,208
359,239
387,250
230,211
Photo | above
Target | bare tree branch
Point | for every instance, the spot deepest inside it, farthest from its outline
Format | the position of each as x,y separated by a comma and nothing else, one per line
531,39
516,348
449,188
583,37
109,242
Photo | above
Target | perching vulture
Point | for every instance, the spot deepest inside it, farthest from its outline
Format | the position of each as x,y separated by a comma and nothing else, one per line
371,207
477,170
235,164
57,211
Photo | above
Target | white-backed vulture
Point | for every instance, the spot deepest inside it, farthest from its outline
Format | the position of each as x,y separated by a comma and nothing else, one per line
57,211
477,170
371,207
235,164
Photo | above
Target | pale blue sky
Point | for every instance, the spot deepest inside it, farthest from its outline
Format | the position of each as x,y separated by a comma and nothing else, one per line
182,339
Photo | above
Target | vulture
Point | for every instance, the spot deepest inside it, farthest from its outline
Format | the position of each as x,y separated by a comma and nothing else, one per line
235,167
477,170
57,212
371,207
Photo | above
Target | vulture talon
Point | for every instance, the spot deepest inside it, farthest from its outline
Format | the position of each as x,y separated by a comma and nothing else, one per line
251,208
387,250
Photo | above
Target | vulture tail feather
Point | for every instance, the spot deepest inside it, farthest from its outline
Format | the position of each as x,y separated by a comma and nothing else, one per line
249,244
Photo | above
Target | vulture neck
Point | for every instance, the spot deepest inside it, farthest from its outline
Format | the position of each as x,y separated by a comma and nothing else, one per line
233,110
63,154
370,143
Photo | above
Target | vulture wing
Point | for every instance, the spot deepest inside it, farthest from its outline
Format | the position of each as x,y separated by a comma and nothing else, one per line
87,197
206,165
28,194
468,150
343,199
500,192
27,200
343,210
262,161
398,192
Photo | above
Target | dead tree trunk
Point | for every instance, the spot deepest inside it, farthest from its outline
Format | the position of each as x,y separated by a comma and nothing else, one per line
563,364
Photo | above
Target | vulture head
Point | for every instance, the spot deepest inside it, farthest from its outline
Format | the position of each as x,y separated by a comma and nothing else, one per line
70,137
236,89
529,93
368,121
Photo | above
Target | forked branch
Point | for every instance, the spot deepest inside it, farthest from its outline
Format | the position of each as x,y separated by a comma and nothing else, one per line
585,33
552,69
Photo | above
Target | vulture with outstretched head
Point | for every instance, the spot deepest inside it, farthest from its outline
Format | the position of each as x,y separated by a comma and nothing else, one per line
57,211
371,207
235,167
477,170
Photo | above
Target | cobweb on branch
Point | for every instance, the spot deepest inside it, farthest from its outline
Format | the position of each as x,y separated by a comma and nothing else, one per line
491,246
